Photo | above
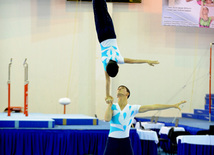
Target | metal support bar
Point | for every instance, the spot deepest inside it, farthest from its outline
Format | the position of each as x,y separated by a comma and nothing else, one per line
26,82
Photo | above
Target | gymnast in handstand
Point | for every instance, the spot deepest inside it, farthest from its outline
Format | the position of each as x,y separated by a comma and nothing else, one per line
110,54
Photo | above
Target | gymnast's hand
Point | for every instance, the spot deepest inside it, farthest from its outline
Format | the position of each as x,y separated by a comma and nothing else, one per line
152,63
109,99
178,104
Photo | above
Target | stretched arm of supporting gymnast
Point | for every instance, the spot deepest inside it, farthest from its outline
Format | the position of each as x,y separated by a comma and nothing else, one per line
146,108
107,84
109,112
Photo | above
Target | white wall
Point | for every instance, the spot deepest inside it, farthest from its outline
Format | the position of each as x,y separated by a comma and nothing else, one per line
60,42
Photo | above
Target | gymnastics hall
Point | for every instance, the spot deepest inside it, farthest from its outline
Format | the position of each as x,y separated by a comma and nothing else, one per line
53,86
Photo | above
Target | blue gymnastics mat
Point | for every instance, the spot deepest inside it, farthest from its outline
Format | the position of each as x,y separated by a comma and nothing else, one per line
73,119
19,120
38,120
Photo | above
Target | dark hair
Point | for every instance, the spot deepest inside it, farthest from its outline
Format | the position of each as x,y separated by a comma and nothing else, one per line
127,89
112,68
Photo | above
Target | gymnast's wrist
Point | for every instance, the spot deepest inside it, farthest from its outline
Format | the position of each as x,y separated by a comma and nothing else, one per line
110,104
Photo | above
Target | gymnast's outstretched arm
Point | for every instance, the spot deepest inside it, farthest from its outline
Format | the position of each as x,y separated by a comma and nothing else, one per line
139,61
146,108
131,61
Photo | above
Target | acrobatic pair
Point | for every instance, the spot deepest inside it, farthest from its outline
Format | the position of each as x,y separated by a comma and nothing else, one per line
119,114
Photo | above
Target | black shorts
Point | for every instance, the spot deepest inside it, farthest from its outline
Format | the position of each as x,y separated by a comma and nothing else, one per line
103,21
115,146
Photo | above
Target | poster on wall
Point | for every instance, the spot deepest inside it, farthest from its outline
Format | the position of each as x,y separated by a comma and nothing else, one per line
191,13
123,1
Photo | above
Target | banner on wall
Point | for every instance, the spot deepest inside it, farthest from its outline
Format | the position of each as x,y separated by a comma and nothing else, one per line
192,13
123,1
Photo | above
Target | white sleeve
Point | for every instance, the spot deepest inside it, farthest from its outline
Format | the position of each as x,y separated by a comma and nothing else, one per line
121,60
136,108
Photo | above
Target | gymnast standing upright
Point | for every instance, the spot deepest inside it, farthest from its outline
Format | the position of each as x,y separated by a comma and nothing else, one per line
110,54
121,115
